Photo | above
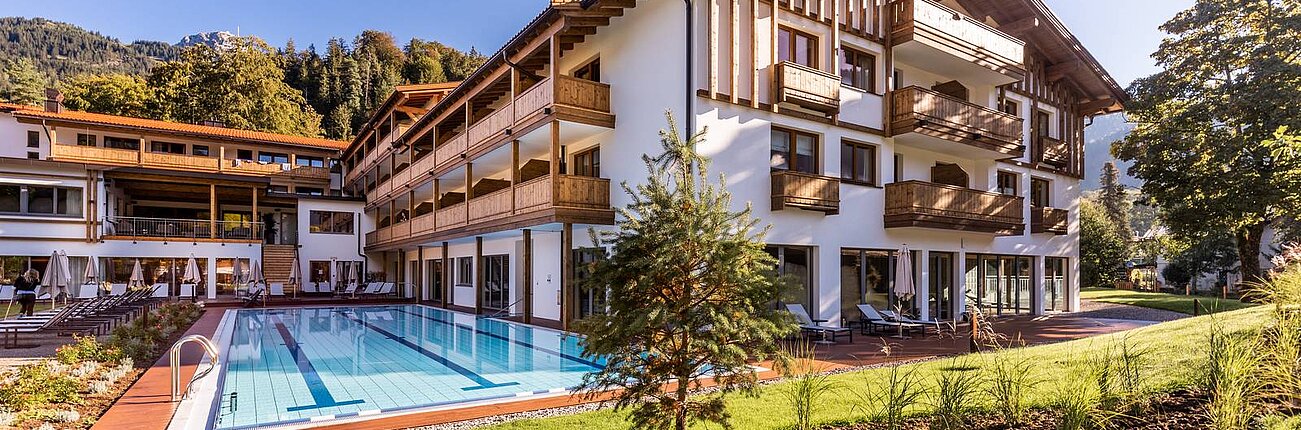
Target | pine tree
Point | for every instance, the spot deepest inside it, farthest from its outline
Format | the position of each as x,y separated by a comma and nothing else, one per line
21,83
1115,199
690,294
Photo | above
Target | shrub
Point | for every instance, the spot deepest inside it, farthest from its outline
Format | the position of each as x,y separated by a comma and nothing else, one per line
53,415
35,385
141,338
806,384
1007,382
85,370
99,387
86,349
890,404
954,396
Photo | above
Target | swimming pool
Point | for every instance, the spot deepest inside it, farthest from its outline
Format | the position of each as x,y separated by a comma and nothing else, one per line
302,365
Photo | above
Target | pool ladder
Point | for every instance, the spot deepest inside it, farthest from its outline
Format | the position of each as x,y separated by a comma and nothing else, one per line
175,360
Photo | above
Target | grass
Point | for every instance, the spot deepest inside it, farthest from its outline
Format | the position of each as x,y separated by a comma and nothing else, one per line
1173,364
1170,302
13,310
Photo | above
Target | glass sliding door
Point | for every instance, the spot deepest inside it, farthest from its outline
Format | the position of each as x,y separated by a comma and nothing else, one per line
434,280
867,277
940,302
1000,284
1054,284
496,282
793,262
590,301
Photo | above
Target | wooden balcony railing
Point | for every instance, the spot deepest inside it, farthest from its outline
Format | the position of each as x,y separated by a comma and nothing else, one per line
1053,151
129,157
450,151
928,112
137,228
492,126
1049,220
569,192
808,87
931,205
805,191
939,27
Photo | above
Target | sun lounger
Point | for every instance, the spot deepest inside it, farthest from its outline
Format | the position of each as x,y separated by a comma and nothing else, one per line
309,287
872,319
161,290
254,295
88,291
372,288
117,289
6,292
277,289
187,291
891,315
810,326
350,290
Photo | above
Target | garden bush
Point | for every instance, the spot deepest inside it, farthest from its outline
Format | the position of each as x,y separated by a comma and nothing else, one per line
86,349
37,385
142,338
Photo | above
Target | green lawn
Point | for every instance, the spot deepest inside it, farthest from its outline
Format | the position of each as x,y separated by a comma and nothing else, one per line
1174,356
1170,302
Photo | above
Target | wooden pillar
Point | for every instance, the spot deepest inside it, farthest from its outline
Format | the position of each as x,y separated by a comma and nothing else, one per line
221,158
514,172
754,54
256,217
528,276
212,210
566,275
555,158
478,275
448,288
435,206
420,274
773,48
469,189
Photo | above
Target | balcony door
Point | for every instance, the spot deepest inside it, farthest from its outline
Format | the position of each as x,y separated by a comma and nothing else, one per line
795,262
590,301
940,302
999,284
496,282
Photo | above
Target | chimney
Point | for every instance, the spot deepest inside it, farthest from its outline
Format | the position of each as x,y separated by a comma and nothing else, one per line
53,100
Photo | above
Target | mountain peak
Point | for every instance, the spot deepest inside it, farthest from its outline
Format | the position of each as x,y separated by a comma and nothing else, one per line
214,39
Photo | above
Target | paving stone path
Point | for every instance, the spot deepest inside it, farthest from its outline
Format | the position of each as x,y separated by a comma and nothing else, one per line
1092,309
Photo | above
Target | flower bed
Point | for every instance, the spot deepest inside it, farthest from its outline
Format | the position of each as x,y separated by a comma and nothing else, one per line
72,389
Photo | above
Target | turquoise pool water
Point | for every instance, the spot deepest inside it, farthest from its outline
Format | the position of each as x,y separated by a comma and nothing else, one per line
287,366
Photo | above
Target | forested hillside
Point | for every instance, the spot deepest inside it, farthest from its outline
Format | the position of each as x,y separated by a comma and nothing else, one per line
242,81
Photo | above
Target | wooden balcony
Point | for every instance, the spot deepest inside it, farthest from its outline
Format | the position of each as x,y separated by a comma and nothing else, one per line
808,87
575,199
1049,220
947,42
805,191
947,207
182,162
1053,152
937,122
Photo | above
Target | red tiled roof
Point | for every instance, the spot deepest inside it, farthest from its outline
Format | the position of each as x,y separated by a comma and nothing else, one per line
171,127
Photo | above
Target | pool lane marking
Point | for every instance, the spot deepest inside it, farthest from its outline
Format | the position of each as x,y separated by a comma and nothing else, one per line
467,373
569,357
320,394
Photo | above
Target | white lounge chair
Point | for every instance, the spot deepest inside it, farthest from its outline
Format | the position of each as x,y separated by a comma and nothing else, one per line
810,325
350,290
116,289
88,291
372,288
891,315
309,287
277,289
6,292
161,290
187,291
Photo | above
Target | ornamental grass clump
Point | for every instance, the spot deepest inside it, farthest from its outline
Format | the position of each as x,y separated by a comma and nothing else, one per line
955,397
1007,384
891,402
1231,379
807,384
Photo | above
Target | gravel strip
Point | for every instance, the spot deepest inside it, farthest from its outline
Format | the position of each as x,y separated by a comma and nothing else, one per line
1092,309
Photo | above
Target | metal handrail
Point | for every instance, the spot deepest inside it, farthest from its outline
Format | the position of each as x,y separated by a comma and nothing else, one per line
504,311
175,362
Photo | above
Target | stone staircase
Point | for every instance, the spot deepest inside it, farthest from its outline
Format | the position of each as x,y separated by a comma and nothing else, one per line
277,261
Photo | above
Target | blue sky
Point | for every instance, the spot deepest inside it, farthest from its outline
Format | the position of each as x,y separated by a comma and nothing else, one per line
1120,33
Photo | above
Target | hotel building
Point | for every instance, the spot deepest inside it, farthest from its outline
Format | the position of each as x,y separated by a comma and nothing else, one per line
954,128
111,190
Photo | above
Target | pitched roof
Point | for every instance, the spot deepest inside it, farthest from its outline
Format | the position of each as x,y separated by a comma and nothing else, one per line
37,112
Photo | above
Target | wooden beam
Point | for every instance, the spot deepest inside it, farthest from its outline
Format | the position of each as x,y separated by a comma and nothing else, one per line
420,273
566,263
734,64
514,170
1092,107
528,276
478,274
448,288
212,208
711,18
1055,72
754,53
1020,27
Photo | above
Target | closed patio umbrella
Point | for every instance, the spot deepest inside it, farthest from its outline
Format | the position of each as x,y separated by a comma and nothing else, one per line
57,276
92,271
192,273
294,274
237,272
254,271
334,274
137,274
904,288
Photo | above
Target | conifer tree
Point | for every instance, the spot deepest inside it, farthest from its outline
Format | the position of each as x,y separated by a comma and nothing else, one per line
21,83
691,294
1115,199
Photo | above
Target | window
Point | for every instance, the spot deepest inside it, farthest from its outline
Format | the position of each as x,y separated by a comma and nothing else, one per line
199,150
330,222
244,154
496,280
858,70
858,163
590,71
1007,183
121,143
898,168
793,150
311,191
797,47
896,80
1043,123
1039,193
1010,107
588,163
167,148
86,139
465,271
310,161
38,200
33,139
1054,284
272,157
278,188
